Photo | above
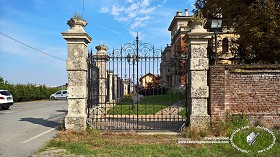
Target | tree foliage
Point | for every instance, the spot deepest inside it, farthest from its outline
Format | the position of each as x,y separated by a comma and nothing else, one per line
1,80
256,21
27,92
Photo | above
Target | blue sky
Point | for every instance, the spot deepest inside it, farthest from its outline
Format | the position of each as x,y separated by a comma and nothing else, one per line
39,23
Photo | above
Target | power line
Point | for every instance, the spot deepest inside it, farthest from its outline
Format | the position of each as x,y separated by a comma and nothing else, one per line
83,8
32,47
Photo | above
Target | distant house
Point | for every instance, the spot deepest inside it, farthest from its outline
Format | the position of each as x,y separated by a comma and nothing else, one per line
148,80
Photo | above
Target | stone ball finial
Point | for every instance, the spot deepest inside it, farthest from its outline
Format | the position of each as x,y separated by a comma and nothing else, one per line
77,23
101,49
197,22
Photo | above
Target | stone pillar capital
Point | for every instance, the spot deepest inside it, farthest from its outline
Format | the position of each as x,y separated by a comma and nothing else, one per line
101,54
76,38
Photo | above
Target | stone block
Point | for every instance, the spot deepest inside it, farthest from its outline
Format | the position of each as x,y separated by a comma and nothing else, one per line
77,92
200,121
77,107
198,51
199,64
76,64
77,78
76,59
76,51
76,123
199,92
198,78
102,68
199,107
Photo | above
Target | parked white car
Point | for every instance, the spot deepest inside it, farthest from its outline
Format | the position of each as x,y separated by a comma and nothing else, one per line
62,94
6,99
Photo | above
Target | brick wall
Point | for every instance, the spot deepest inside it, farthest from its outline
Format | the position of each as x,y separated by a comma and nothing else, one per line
243,89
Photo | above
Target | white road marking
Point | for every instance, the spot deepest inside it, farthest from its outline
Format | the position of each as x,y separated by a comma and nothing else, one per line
6,111
38,135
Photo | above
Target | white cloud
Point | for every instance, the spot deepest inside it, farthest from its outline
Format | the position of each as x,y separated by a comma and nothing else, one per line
116,10
147,10
132,7
134,34
137,24
104,10
122,19
145,3
151,18
133,13
141,19
108,29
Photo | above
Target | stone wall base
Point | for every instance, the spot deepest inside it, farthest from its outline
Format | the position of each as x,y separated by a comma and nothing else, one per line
269,121
75,122
200,121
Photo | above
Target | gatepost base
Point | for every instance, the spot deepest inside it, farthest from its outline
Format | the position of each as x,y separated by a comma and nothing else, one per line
200,121
75,123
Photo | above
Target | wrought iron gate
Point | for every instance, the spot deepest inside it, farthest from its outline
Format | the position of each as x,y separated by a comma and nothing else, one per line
93,84
136,99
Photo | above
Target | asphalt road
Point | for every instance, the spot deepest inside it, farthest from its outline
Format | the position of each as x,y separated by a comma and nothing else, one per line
26,127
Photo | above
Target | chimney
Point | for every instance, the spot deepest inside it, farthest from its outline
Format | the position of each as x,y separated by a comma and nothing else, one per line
186,12
179,13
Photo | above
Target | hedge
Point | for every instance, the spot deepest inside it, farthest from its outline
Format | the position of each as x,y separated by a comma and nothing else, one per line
153,91
29,92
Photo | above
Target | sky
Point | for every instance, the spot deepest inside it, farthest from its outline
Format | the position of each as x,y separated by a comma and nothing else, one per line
32,49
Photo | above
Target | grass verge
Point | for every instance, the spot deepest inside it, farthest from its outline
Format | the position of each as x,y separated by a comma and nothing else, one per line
149,105
93,143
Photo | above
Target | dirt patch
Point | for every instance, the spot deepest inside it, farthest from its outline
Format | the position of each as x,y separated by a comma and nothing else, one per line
54,152
136,139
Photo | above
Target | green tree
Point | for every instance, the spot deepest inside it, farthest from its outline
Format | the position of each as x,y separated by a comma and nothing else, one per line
1,80
256,21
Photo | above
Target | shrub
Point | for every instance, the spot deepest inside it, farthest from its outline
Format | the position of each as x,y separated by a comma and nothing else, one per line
29,92
128,95
153,91
218,128
195,133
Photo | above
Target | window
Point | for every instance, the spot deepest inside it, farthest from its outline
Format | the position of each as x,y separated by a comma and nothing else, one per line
59,92
64,92
6,93
225,45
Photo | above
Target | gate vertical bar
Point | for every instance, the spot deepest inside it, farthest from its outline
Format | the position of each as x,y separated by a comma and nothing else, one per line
137,78
89,83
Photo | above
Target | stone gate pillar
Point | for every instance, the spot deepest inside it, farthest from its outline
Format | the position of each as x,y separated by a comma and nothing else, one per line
110,90
76,66
115,86
102,58
126,86
198,64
